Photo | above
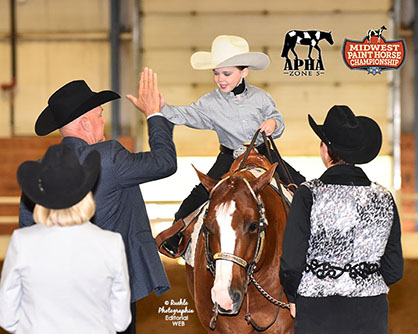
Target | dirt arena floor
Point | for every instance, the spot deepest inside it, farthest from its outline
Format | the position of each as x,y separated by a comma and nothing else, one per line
153,315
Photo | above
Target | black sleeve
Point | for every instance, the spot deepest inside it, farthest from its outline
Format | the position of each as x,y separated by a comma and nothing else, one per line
295,242
26,211
392,260
161,161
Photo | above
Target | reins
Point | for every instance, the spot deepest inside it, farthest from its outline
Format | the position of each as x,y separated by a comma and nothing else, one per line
267,141
290,182
271,299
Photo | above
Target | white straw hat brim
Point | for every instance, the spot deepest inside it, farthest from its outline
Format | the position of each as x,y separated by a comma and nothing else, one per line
254,60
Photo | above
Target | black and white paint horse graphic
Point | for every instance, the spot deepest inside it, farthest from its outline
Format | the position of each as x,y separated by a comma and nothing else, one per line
377,32
308,37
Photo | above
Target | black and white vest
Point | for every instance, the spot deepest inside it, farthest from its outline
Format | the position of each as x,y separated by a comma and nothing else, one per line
350,226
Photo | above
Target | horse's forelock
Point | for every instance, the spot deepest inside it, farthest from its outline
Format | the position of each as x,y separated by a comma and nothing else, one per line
233,185
233,190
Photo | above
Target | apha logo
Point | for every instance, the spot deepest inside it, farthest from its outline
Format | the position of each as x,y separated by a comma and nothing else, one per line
374,54
304,67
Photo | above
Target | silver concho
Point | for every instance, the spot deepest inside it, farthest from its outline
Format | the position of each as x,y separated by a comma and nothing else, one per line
240,150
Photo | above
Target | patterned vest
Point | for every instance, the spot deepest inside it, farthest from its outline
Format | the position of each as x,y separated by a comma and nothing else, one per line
350,226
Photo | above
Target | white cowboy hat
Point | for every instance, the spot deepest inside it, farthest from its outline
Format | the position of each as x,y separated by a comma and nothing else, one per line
229,51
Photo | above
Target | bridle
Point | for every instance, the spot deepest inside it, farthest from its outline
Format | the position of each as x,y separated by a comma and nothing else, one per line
262,223
211,259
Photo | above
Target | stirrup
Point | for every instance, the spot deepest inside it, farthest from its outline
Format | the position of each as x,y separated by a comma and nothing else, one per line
163,239
183,227
171,245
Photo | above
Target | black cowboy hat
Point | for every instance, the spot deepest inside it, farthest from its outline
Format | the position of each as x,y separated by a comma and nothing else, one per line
59,181
68,103
354,139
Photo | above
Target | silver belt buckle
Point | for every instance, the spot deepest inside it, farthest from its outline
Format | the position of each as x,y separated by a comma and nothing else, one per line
241,150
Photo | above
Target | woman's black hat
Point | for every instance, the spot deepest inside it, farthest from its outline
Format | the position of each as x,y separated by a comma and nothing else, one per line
354,139
68,103
59,181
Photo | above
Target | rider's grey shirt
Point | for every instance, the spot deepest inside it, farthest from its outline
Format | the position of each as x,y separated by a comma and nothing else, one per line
234,118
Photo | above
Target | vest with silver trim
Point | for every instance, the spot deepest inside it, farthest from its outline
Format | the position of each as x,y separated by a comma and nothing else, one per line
350,226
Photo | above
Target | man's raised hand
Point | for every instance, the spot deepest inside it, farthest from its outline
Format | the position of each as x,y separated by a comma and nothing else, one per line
148,99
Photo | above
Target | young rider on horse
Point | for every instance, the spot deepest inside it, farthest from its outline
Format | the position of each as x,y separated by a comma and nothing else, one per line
235,110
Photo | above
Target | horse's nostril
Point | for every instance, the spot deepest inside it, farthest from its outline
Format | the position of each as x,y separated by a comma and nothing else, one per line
236,296
223,311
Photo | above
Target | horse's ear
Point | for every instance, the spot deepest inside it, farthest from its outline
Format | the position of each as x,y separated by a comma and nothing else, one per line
205,180
264,179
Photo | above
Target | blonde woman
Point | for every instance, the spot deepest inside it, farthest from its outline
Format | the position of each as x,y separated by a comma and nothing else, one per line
64,274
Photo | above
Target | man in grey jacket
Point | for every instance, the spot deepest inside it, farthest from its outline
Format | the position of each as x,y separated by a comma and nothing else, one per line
76,111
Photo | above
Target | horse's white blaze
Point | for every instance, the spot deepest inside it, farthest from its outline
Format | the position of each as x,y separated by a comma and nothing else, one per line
223,275
224,214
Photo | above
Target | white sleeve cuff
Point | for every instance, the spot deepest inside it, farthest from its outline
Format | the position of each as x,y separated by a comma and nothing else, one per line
155,114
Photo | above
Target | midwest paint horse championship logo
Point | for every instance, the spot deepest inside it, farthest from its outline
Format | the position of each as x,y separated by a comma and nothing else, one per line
374,54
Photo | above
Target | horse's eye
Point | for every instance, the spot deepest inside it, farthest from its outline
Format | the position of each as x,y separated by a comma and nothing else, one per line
252,227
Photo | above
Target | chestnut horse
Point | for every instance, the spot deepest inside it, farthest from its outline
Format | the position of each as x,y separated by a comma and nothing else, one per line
239,248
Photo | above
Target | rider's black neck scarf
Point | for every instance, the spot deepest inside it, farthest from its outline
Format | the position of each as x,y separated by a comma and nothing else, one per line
240,88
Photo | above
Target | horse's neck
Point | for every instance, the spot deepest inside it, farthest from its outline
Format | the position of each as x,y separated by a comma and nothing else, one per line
276,218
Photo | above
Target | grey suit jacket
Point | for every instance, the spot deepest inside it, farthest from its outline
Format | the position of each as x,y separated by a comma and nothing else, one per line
119,203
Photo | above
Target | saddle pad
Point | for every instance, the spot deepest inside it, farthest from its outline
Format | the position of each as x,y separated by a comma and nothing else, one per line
189,254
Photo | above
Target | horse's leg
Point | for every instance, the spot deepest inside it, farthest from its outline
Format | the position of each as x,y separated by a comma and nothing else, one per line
292,48
310,51
285,50
319,51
